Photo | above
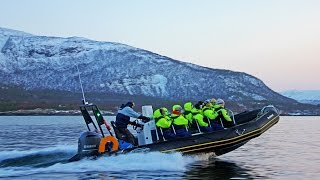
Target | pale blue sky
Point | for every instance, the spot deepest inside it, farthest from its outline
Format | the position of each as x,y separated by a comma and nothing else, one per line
277,41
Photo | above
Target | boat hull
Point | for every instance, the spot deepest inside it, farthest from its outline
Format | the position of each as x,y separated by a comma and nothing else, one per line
218,142
249,125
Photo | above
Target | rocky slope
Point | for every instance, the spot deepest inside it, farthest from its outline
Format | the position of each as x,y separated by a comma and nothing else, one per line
50,63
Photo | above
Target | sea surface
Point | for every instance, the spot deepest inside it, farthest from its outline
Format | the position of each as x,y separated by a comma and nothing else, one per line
38,147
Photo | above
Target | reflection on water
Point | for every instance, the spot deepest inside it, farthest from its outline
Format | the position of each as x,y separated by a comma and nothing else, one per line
217,169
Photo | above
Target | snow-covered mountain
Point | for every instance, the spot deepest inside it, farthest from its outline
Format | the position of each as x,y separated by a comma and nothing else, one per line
40,62
303,96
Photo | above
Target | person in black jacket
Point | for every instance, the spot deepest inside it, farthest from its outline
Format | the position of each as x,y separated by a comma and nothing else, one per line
123,119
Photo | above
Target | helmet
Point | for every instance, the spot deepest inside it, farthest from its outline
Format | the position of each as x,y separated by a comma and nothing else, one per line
220,102
200,102
165,110
207,101
198,105
213,101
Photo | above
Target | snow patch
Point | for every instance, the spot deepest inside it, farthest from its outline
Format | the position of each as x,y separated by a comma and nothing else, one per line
147,84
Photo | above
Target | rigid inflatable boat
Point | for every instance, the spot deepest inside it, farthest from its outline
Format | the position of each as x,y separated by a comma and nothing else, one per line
94,143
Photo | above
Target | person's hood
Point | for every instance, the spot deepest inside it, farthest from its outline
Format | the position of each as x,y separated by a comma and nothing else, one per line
187,106
157,114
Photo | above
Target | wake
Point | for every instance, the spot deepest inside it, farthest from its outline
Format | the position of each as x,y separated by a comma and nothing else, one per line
55,160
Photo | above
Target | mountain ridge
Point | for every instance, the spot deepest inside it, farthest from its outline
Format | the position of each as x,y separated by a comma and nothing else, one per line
303,96
49,63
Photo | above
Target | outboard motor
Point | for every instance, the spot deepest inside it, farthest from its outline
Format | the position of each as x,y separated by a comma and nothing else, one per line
88,143
94,143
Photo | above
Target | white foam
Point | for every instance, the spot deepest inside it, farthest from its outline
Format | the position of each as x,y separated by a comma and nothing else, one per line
152,161
16,154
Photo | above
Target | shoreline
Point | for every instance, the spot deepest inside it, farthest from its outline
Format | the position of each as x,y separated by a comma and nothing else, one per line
49,112
78,113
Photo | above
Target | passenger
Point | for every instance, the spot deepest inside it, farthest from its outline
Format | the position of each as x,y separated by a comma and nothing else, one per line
187,111
222,114
213,102
164,122
200,104
210,116
123,119
157,114
198,117
179,122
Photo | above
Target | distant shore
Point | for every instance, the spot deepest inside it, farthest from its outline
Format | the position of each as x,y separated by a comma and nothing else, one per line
53,112
48,112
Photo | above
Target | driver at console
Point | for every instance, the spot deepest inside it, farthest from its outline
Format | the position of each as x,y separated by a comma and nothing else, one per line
123,119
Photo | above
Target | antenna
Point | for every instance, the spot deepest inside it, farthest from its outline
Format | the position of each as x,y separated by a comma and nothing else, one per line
83,97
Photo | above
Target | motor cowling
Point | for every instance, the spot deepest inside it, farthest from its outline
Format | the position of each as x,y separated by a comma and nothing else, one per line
88,143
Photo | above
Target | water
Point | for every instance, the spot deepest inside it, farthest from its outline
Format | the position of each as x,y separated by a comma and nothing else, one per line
39,147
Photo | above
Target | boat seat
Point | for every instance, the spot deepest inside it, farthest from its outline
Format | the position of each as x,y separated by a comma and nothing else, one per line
198,126
160,135
173,129
116,131
207,120
194,134
221,123
195,128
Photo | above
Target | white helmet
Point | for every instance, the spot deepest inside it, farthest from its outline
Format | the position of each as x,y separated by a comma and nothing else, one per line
207,101
220,102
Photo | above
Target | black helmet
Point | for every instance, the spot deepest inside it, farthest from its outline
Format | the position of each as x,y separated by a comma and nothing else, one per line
198,105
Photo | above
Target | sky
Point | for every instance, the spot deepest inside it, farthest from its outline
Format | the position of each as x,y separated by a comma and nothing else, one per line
277,41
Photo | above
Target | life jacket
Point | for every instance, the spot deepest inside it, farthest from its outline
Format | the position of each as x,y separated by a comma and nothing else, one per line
218,110
206,108
188,115
163,122
220,114
205,118
157,115
179,121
